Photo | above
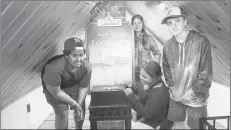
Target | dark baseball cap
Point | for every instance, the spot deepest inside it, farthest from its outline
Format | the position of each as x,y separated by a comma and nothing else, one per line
73,44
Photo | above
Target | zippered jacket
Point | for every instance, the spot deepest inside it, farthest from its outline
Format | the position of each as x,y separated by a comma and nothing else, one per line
188,69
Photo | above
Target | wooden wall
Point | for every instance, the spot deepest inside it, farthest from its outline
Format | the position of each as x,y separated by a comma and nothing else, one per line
33,31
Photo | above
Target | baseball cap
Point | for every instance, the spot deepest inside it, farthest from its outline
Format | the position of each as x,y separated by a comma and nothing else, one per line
174,12
152,68
73,44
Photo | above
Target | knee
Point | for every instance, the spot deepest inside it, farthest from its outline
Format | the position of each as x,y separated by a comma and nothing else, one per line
62,115
181,125
134,115
166,124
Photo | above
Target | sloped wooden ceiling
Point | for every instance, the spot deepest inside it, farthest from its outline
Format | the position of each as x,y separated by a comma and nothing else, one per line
33,31
30,34
211,18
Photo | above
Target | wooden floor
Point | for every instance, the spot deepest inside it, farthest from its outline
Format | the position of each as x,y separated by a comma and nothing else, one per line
49,121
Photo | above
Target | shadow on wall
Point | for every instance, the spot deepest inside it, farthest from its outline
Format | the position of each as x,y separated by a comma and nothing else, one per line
44,58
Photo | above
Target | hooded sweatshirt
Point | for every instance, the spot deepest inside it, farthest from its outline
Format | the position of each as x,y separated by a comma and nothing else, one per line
187,68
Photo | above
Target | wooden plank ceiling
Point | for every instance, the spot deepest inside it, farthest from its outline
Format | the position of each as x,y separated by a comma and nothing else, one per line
33,31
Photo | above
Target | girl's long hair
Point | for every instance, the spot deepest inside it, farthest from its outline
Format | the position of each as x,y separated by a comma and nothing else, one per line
143,31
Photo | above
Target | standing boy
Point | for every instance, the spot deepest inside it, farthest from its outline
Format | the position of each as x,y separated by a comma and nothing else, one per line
187,67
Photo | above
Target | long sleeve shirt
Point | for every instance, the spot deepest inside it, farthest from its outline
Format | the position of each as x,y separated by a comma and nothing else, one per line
151,104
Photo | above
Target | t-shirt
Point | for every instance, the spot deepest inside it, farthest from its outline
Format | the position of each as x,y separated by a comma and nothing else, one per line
56,74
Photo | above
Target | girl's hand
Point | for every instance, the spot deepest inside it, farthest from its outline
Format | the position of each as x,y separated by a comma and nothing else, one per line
128,91
146,87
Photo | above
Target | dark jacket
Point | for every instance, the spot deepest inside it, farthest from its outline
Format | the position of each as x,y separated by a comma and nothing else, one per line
151,104
188,68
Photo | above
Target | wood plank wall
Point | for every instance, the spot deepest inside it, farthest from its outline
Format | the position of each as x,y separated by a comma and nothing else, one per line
33,31
208,17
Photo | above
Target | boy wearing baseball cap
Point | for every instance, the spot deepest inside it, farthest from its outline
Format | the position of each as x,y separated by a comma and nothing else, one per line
65,81
187,67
